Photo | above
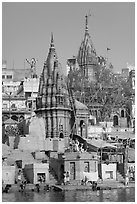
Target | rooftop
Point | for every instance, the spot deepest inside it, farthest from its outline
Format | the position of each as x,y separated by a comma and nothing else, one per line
80,106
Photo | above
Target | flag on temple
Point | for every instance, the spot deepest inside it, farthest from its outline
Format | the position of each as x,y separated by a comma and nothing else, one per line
108,49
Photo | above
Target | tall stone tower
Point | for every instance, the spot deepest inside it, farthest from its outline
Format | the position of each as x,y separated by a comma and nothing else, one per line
53,101
87,57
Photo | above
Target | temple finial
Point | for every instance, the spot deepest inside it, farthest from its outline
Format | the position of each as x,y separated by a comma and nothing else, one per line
86,25
52,41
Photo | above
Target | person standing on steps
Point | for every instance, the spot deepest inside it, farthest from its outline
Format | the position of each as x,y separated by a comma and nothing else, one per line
126,180
19,177
67,177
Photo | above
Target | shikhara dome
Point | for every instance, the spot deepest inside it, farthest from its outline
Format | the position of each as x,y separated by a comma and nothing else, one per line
87,57
55,102
53,90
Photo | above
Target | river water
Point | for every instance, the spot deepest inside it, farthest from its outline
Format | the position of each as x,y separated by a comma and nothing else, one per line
116,195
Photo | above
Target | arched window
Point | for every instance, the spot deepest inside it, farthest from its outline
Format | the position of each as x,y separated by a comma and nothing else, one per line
60,100
61,135
14,117
5,117
96,113
81,127
115,120
122,113
13,106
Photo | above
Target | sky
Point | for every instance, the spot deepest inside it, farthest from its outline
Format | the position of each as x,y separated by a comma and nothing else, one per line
27,27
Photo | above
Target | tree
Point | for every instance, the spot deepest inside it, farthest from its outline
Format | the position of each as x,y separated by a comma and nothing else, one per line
108,90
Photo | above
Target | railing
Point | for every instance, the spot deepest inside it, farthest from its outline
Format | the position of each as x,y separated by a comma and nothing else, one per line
14,109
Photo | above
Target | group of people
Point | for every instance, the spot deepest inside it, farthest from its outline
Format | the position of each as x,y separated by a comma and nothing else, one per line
76,146
126,179
132,173
85,181
66,178
20,181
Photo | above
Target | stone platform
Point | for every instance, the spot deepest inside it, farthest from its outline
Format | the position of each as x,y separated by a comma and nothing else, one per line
105,185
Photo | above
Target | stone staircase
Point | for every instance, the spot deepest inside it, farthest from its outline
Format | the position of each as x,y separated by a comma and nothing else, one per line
110,184
23,176
52,177
120,177
75,182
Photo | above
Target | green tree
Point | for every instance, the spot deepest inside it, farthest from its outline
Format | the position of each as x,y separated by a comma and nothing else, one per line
108,90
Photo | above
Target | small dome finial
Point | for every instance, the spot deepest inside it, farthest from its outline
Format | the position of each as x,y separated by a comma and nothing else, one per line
86,24
52,41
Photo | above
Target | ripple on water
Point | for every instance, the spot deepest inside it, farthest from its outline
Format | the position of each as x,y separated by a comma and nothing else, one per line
116,195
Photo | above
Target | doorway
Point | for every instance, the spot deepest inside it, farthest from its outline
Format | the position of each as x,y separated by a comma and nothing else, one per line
115,120
72,171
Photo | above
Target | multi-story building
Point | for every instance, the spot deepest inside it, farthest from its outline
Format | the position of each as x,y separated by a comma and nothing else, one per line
19,92
125,73
15,75
72,64
29,88
13,106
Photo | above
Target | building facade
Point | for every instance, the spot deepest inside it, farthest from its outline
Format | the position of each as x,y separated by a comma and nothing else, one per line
11,74
13,107
29,89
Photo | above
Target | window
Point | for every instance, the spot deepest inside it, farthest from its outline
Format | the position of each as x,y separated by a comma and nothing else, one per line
28,94
5,106
60,100
30,104
96,113
61,135
72,171
86,166
41,177
9,76
60,127
3,76
122,113
109,174
13,106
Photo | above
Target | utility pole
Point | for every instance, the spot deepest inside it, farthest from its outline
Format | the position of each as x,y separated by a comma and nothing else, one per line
126,158
9,106
9,96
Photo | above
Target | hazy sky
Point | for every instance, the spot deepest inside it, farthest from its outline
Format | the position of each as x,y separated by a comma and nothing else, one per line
27,27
